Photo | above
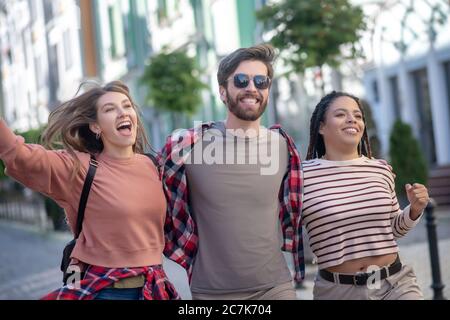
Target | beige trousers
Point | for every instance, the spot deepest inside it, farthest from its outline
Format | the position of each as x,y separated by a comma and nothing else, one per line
400,286
284,291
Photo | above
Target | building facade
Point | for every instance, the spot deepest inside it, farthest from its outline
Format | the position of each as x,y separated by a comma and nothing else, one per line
39,58
410,77
48,47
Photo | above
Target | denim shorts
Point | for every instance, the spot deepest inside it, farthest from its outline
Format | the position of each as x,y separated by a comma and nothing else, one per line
119,294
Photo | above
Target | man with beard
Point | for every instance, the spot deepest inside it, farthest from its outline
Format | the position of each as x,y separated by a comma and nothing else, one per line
234,192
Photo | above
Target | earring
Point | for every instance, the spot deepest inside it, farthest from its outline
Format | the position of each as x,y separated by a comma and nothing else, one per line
97,136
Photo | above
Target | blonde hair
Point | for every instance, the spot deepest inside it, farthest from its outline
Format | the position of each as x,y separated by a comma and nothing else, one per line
68,124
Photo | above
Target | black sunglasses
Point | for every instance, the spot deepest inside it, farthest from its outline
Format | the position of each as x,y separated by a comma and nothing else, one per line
242,80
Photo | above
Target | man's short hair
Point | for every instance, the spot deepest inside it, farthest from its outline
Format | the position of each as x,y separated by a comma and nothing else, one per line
262,52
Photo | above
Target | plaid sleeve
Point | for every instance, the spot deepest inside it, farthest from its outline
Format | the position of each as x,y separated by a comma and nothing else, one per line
181,237
290,197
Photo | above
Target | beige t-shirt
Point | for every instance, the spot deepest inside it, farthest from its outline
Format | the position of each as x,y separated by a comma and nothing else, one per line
234,183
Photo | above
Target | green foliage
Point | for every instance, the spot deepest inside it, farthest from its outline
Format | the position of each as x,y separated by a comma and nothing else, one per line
407,159
53,210
2,170
56,214
173,84
313,32
30,136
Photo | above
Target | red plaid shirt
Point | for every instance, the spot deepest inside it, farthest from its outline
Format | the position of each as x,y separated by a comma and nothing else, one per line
157,285
180,228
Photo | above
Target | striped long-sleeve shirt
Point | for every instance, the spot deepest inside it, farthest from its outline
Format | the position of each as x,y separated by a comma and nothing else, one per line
350,210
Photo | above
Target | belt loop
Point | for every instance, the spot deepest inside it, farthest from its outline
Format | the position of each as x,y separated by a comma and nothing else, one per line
336,277
387,271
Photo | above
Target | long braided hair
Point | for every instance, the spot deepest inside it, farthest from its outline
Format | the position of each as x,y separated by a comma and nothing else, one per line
316,148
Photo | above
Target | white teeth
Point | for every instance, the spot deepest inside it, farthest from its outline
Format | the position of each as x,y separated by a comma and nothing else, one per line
351,130
124,123
249,101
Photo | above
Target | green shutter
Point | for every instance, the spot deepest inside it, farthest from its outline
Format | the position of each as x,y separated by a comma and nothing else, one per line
246,22
116,31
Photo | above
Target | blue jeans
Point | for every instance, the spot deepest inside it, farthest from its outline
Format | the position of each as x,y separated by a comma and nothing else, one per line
120,294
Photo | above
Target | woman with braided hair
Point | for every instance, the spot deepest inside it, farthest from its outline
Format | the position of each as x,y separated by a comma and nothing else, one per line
350,209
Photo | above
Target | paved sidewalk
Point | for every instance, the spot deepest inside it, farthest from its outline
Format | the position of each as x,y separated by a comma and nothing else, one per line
415,255
29,261
418,256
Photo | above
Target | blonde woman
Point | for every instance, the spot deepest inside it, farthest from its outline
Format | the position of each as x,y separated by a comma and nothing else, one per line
122,238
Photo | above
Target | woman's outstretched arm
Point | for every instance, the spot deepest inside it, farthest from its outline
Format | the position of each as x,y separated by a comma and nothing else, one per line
45,171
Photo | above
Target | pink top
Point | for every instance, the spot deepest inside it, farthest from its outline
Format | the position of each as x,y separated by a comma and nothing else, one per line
125,212
350,210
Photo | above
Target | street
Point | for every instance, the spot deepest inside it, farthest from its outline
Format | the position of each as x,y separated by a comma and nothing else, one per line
29,263
29,260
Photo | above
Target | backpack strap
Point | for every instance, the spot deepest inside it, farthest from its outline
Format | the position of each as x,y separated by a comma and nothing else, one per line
93,164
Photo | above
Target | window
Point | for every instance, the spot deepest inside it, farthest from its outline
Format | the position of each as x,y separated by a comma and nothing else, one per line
53,77
116,31
422,90
24,47
9,55
376,93
68,55
395,94
40,75
447,83
33,10
48,10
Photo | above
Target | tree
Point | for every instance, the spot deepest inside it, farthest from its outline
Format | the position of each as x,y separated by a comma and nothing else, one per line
54,212
313,33
30,136
173,83
407,159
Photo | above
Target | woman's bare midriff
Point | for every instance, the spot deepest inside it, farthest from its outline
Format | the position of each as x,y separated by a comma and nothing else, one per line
361,264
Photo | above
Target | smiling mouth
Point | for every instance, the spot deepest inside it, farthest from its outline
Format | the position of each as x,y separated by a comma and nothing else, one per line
124,127
351,130
249,100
